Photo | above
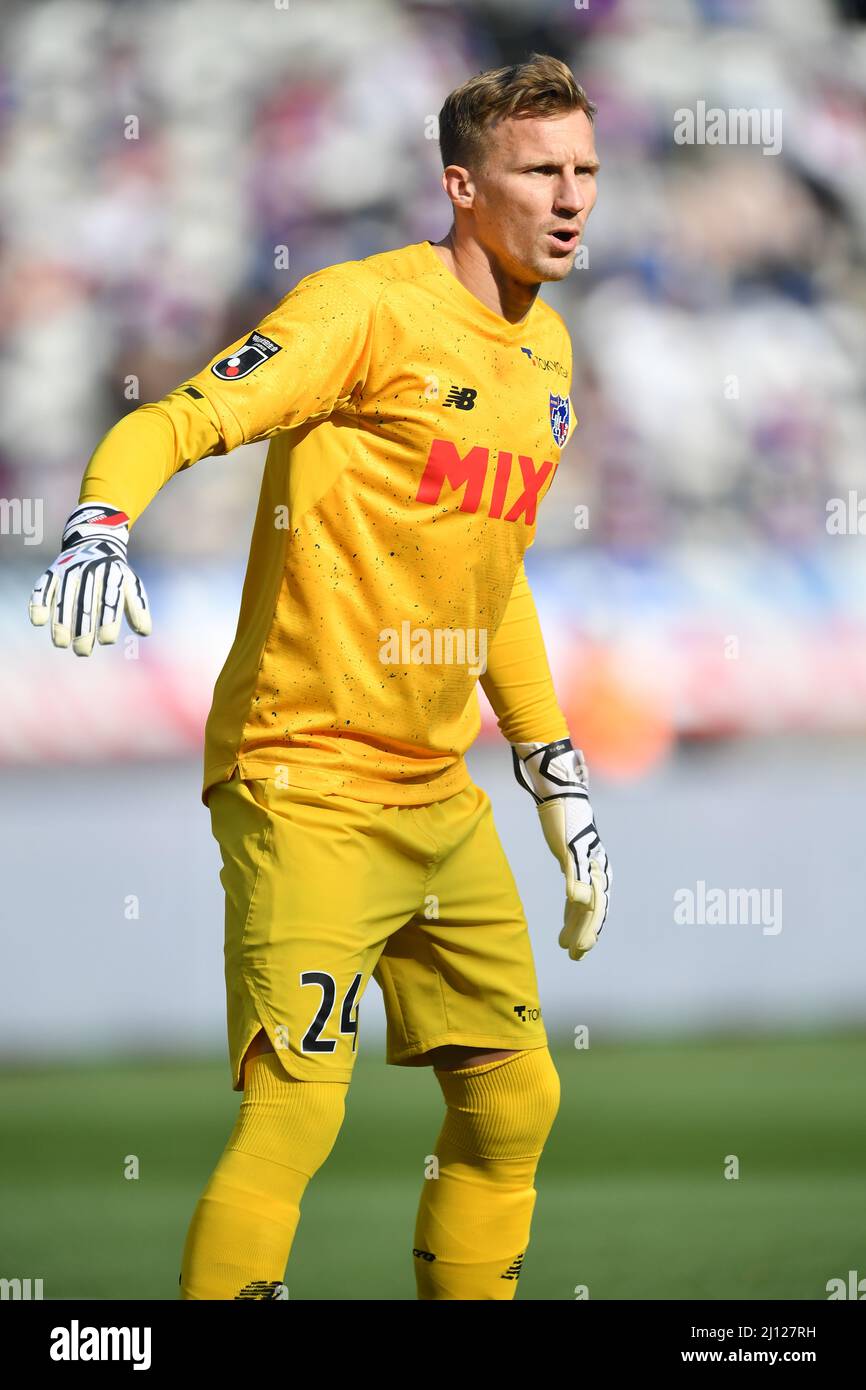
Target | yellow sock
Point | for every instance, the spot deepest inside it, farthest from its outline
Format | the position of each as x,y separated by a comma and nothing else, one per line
242,1229
473,1220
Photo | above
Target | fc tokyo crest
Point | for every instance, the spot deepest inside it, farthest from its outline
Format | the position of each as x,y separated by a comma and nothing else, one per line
256,350
560,415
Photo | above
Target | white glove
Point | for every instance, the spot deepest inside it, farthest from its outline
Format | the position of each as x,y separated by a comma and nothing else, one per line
556,776
87,588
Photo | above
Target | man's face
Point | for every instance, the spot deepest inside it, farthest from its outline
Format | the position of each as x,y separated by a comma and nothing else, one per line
538,179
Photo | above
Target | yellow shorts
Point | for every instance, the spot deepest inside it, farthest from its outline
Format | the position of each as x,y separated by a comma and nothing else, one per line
323,892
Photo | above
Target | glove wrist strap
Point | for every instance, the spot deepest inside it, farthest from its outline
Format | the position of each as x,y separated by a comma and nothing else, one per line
95,520
548,770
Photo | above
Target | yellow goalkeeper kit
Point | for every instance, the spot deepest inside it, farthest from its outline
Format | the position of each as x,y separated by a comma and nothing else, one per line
413,434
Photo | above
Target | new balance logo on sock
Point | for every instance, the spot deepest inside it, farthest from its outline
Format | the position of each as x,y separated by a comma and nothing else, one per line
513,1270
423,1255
261,1289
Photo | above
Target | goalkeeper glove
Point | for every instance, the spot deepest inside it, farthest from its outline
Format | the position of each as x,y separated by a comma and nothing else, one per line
87,588
555,775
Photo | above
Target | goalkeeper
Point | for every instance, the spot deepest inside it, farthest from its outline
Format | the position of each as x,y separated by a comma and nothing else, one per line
417,403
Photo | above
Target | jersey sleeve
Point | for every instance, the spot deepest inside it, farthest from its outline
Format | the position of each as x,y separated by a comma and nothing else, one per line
518,682
305,360
146,448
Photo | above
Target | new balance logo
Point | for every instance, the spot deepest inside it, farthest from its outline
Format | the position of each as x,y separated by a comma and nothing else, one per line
260,1288
513,1270
423,1255
461,396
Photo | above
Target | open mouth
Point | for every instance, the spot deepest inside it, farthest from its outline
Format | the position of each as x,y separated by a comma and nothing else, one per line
565,238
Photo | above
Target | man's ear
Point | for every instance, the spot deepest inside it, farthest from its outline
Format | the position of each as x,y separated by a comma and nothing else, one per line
458,184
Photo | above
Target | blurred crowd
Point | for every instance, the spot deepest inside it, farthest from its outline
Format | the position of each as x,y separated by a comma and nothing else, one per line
154,158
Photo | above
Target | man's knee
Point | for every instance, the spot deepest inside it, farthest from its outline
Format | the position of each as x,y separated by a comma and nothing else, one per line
505,1111
289,1121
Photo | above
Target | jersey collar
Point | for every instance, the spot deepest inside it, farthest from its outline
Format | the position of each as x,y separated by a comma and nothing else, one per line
455,289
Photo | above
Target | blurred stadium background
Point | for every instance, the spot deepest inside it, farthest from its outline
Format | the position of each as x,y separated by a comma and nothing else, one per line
706,626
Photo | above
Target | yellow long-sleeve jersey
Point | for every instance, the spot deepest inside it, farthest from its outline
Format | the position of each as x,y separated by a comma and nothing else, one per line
413,434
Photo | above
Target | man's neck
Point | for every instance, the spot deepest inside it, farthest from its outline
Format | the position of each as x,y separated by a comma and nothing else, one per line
480,274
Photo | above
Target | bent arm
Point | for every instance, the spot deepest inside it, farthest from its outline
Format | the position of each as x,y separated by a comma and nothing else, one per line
518,682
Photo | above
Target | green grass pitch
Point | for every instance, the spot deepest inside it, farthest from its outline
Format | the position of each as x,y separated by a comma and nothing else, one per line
632,1203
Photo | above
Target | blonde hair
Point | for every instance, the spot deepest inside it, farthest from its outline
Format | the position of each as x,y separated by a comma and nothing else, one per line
541,86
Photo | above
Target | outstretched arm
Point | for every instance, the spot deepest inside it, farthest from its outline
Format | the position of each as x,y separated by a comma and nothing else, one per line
305,360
